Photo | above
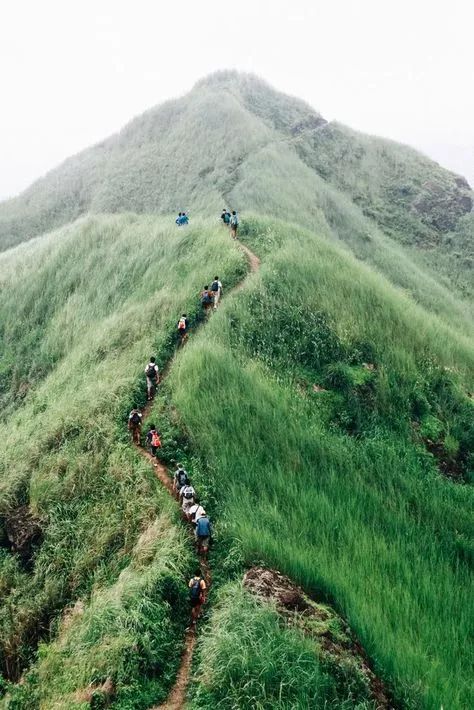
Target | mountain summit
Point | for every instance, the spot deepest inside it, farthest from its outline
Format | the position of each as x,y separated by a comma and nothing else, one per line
233,139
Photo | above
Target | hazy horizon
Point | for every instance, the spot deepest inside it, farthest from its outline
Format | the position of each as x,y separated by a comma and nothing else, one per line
75,75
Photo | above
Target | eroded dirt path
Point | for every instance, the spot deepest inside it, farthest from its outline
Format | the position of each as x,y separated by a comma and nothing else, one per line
177,696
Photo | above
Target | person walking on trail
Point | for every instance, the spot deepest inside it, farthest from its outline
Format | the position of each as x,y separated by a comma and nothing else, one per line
234,224
178,219
181,478
203,534
135,425
196,511
153,440
225,217
216,290
152,378
186,498
197,594
183,327
206,298
184,219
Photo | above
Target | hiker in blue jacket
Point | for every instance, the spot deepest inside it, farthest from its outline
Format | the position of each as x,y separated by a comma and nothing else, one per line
234,224
203,534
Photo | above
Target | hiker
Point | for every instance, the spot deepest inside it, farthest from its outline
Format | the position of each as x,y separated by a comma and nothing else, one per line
181,478
153,440
186,498
184,219
206,298
196,511
197,594
183,326
203,534
225,217
152,378
135,424
234,224
216,290
178,219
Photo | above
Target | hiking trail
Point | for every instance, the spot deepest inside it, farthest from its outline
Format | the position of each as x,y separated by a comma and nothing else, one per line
177,695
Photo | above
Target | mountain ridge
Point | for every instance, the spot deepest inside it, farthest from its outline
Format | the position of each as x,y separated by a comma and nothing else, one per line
231,115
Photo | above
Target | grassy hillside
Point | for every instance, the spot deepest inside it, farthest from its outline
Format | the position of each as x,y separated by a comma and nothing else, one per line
344,487
325,417
82,520
233,139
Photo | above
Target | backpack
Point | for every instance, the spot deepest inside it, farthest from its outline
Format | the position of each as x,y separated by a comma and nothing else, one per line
226,218
234,220
182,324
188,493
135,418
203,527
155,439
183,479
215,286
151,371
195,591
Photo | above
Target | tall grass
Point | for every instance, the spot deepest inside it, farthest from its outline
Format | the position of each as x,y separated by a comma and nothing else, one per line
235,140
82,315
365,520
247,659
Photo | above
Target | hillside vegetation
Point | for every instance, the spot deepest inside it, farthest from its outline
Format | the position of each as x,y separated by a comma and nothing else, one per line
339,487
325,413
82,519
235,139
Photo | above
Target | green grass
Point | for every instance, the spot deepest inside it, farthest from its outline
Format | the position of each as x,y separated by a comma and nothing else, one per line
84,313
235,141
335,488
126,634
248,659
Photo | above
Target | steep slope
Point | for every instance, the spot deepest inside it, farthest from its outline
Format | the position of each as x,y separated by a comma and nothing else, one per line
325,444
324,415
82,519
233,138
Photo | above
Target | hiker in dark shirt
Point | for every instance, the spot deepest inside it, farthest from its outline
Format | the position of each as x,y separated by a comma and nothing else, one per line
153,440
152,377
135,425
183,327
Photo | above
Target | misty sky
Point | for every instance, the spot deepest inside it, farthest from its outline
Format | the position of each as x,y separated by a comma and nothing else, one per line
72,73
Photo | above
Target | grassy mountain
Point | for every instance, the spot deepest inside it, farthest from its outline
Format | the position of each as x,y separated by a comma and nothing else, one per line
234,139
325,413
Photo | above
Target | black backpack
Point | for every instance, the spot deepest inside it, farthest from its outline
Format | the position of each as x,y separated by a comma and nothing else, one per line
150,371
135,418
195,591
183,479
215,286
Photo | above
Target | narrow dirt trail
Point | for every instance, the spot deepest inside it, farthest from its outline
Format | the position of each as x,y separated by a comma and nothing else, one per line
177,696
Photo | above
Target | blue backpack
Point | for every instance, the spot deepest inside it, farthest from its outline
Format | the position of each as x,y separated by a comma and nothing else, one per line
203,527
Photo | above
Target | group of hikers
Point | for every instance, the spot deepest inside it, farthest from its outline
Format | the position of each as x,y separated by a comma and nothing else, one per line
182,219
192,509
229,219
211,296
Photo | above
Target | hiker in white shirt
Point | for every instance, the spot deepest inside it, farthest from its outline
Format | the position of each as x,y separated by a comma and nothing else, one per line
216,289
